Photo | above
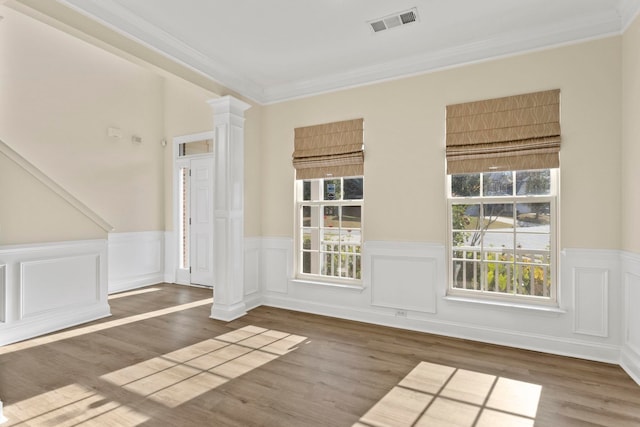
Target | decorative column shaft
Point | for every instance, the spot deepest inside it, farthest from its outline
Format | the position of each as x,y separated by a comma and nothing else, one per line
228,204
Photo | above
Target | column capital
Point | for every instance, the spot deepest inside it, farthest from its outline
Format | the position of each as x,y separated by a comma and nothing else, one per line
228,105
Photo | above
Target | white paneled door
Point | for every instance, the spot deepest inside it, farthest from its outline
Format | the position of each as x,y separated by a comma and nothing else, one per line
201,229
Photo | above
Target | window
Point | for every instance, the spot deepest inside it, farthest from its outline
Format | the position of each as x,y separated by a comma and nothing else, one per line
502,234
329,232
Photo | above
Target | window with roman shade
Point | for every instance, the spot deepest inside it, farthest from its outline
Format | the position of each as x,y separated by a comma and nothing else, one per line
329,150
519,132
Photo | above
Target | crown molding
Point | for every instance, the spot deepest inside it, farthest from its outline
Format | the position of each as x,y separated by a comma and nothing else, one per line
120,19
513,44
629,10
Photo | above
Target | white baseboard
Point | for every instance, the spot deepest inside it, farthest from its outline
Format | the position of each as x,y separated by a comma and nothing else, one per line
405,286
51,286
136,260
55,321
630,362
548,344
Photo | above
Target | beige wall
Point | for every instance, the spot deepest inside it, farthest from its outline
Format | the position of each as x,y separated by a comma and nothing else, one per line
404,142
58,118
27,204
253,163
59,96
630,209
186,111
60,93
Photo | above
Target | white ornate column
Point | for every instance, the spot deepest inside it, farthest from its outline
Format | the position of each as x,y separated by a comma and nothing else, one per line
2,417
228,204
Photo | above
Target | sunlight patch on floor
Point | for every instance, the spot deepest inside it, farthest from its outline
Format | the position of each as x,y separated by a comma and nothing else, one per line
72,405
131,293
177,377
72,333
439,395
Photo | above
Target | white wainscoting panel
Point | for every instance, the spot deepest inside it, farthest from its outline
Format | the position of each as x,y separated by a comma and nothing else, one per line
3,293
42,280
136,259
591,301
632,312
404,275
251,265
276,264
52,286
403,283
630,354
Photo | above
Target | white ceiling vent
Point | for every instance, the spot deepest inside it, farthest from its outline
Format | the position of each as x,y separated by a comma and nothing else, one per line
396,20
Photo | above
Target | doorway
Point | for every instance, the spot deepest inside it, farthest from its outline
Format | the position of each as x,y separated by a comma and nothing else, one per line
193,208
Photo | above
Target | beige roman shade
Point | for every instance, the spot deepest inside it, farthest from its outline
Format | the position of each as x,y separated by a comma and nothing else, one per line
513,133
331,149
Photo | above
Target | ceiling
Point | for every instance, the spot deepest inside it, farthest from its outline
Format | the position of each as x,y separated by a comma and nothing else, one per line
273,50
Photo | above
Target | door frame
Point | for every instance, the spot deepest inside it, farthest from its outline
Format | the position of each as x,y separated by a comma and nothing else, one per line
182,275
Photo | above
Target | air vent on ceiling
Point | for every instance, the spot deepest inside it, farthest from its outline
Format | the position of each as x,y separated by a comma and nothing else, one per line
396,20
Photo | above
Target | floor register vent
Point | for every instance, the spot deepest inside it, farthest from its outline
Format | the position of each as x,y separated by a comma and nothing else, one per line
396,20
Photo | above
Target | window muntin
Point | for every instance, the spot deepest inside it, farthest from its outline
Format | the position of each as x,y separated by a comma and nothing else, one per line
502,228
329,238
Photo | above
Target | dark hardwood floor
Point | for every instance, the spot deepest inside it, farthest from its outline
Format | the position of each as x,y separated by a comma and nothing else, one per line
160,361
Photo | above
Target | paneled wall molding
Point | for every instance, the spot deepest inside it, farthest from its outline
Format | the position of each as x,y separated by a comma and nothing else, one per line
3,292
591,301
51,286
404,286
54,186
630,354
276,264
136,259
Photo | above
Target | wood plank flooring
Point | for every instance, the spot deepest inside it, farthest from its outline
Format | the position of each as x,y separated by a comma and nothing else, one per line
160,361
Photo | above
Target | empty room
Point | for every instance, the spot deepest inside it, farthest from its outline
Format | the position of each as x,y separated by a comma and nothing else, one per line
337,213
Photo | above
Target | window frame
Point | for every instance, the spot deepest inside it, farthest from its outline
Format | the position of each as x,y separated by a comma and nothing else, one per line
483,294
299,231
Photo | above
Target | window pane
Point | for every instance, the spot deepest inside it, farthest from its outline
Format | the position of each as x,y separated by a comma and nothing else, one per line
466,274
351,239
306,216
332,189
351,217
330,240
533,182
331,264
465,217
306,262
306,190
465,185
534,217
497,183
306,239
331,216
353,189
497,216
498,242
500,271
195,147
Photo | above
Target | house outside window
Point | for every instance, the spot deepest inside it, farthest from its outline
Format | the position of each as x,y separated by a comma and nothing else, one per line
502,235
329,229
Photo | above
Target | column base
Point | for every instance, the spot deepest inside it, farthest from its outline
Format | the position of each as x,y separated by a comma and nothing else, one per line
226,312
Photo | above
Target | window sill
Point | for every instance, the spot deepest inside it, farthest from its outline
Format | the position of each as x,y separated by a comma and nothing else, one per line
507,304
329,284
